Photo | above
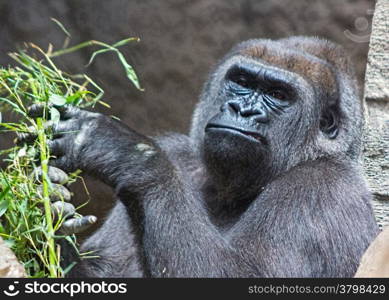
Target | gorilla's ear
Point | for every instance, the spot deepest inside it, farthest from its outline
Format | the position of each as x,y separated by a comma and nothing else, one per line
329,122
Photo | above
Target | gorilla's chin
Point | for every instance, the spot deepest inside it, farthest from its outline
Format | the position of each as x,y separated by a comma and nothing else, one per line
229,152
236,163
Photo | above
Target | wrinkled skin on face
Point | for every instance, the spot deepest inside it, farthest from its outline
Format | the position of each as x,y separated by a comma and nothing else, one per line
257,108
260,115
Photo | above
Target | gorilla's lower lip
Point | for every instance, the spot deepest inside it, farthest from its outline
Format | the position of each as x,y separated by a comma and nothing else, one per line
247,134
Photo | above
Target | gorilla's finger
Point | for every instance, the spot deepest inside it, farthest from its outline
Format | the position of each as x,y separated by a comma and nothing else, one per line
62,209
27,137
60,162
67,126
58,193
39,109
55,175
36,110
31,135
68,111
76,225
55,147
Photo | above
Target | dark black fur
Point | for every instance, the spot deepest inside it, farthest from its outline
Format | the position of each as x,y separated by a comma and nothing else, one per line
267,184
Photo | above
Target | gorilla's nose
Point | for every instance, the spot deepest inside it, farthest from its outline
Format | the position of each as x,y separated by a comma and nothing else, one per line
248,110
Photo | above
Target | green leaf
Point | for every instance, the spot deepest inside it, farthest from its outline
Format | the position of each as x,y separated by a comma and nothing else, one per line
54,115
22,152
4,205
61,26
130,72
77,97
4,202
57,100
15,107
94,54
125,41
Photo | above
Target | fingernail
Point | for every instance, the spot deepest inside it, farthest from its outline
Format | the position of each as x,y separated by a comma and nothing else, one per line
92,219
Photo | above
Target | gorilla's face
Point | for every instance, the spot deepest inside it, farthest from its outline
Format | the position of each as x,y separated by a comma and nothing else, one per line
255,104
266,108
252,129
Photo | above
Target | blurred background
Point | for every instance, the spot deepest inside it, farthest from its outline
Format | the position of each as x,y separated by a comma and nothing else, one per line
180,42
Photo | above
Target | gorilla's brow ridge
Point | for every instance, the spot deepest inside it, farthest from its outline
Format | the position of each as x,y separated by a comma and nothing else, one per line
310,67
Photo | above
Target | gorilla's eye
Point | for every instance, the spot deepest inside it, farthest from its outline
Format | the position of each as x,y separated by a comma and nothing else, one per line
241,77
277,94
242,80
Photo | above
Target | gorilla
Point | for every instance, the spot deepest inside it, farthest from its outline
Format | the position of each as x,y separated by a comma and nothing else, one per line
267,184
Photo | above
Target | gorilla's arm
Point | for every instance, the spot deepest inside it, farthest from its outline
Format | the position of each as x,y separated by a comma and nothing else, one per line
173,226
177,236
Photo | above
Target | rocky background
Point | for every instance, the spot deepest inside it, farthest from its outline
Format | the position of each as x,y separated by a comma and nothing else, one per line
180,41
376,156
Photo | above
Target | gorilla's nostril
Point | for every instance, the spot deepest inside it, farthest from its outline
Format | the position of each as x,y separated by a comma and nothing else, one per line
247,111
261,118
234,106
252,111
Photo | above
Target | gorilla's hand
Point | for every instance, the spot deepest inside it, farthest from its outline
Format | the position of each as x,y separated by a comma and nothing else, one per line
100,146
73,135
60,205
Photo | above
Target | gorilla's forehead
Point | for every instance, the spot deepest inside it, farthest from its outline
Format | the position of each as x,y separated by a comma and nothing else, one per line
315,69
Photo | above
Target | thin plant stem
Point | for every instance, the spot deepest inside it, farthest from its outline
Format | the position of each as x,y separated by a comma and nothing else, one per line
44,159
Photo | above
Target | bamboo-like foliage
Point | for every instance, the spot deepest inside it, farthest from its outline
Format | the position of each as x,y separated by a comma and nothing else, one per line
26,220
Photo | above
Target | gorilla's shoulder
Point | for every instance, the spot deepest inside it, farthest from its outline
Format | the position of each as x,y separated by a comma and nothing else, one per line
324,173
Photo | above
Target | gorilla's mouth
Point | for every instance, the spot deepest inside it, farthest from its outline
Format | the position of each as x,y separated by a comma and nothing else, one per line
252,135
